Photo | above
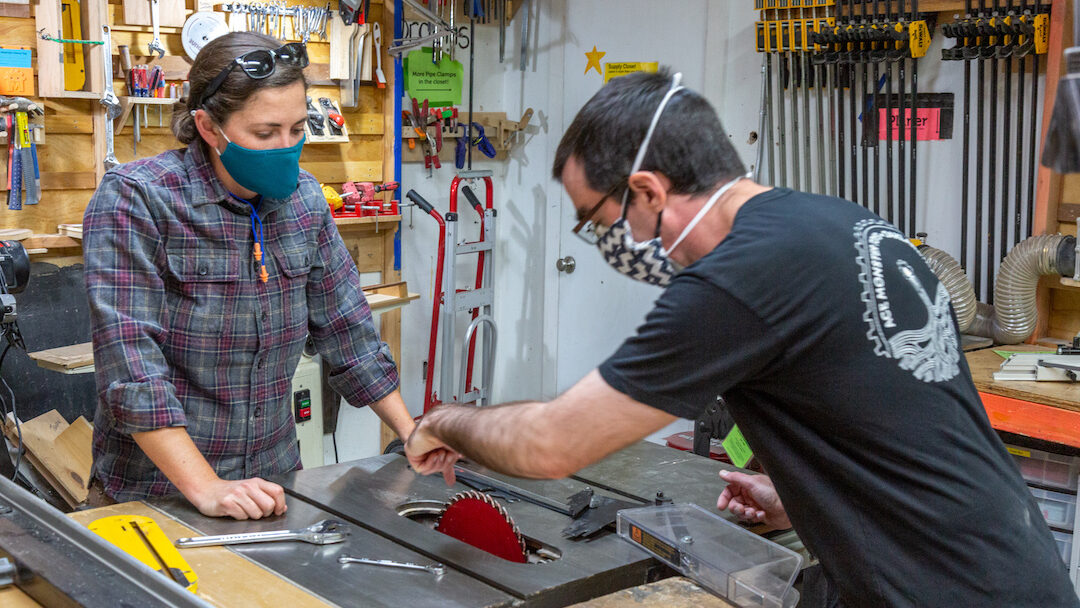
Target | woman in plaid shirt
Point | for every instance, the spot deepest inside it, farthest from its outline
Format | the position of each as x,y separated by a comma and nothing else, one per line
207,268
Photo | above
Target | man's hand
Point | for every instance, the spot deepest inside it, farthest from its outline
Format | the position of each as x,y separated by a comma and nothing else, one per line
753,498
427,454
253,498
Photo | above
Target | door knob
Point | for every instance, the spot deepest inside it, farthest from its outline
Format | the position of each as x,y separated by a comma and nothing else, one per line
567,264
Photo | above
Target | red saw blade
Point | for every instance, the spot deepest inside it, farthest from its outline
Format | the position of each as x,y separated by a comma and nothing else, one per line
475,518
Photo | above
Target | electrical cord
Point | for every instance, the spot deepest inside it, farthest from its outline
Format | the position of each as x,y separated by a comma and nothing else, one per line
14,412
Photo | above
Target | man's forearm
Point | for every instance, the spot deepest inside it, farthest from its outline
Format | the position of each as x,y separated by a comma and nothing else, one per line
507,438
173,451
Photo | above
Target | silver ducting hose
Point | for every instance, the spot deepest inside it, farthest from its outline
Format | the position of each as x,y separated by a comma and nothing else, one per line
952,276
1012,318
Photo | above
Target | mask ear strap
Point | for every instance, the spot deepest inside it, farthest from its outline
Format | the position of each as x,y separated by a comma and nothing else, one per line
640,158
701,214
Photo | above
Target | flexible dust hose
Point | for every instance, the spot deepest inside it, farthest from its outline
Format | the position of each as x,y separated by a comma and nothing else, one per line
952,276
1012,318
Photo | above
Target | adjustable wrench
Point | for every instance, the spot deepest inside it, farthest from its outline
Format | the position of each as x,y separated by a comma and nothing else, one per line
436,569
109,99
155,44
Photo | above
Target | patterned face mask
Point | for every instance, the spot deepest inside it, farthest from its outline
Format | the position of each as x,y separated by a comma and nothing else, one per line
645,261
648,261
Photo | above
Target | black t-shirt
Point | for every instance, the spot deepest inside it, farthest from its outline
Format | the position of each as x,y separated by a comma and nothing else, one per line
837,352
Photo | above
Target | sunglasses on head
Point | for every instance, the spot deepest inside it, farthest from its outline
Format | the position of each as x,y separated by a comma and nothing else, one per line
258,64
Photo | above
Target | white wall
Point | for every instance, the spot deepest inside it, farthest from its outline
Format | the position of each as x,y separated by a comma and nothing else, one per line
522,185
529,201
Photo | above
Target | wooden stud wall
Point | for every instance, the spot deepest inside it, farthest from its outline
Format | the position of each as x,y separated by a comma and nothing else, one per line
70,160
69,165
1057,196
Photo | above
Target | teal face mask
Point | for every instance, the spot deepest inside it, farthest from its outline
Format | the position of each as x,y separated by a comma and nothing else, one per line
272,173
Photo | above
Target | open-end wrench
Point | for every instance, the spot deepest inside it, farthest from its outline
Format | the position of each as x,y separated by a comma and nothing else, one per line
155,44
436,568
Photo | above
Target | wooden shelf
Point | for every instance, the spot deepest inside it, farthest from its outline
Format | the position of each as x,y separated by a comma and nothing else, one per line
1044,410
388,296
374,219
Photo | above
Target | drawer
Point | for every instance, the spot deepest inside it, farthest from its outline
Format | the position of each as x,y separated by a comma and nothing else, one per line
1064,542
1058,509
1045,468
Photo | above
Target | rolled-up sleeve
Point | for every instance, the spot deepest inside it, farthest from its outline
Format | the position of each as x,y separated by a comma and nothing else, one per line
128,309
362,369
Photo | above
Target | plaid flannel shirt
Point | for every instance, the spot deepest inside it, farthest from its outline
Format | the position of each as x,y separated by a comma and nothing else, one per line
186,335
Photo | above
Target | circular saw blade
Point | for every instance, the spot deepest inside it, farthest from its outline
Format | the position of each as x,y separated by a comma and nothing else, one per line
475,518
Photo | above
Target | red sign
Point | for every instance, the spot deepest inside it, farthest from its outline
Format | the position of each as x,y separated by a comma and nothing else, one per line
927,124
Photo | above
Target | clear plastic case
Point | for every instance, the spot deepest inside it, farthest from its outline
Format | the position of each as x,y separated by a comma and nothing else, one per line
732,562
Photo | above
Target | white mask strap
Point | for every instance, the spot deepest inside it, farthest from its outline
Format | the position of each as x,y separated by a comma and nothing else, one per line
701,214
640,158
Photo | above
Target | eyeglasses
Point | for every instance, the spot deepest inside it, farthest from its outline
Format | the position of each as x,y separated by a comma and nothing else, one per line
586,228
258,64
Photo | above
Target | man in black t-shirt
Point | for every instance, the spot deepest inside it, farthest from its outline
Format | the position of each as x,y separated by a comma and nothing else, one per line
832,342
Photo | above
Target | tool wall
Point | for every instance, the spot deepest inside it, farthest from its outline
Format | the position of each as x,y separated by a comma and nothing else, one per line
70,158
844,112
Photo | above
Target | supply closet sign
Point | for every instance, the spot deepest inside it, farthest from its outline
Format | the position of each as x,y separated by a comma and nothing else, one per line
614,70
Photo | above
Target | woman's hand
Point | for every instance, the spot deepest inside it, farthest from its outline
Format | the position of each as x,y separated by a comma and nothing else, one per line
753,498
253,498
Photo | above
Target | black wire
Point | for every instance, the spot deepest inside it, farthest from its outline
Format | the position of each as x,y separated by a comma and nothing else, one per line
337,458
14,412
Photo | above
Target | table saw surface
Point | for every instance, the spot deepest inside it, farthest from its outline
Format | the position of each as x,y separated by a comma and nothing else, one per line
366,495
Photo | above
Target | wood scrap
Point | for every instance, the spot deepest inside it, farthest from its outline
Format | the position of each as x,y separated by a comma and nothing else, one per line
68,459
12,433
71,230
15,234
65,358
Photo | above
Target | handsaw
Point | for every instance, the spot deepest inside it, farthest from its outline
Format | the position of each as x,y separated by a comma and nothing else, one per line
476,519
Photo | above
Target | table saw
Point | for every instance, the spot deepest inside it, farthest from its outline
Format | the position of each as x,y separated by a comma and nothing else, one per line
389,513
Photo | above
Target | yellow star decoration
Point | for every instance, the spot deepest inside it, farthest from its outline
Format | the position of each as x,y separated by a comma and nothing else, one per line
594,60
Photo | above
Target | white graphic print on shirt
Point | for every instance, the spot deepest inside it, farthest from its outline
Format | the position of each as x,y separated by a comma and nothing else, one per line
930,350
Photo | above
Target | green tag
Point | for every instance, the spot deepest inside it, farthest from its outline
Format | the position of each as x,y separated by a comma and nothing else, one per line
439,83
736,447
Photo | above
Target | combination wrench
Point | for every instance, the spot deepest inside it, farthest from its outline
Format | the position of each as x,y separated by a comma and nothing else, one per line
436,569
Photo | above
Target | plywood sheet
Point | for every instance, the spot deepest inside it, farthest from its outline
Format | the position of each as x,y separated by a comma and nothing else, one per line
226,579
13,597
677,592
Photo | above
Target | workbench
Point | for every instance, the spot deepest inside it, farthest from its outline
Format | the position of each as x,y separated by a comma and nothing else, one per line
368,496
1049,411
